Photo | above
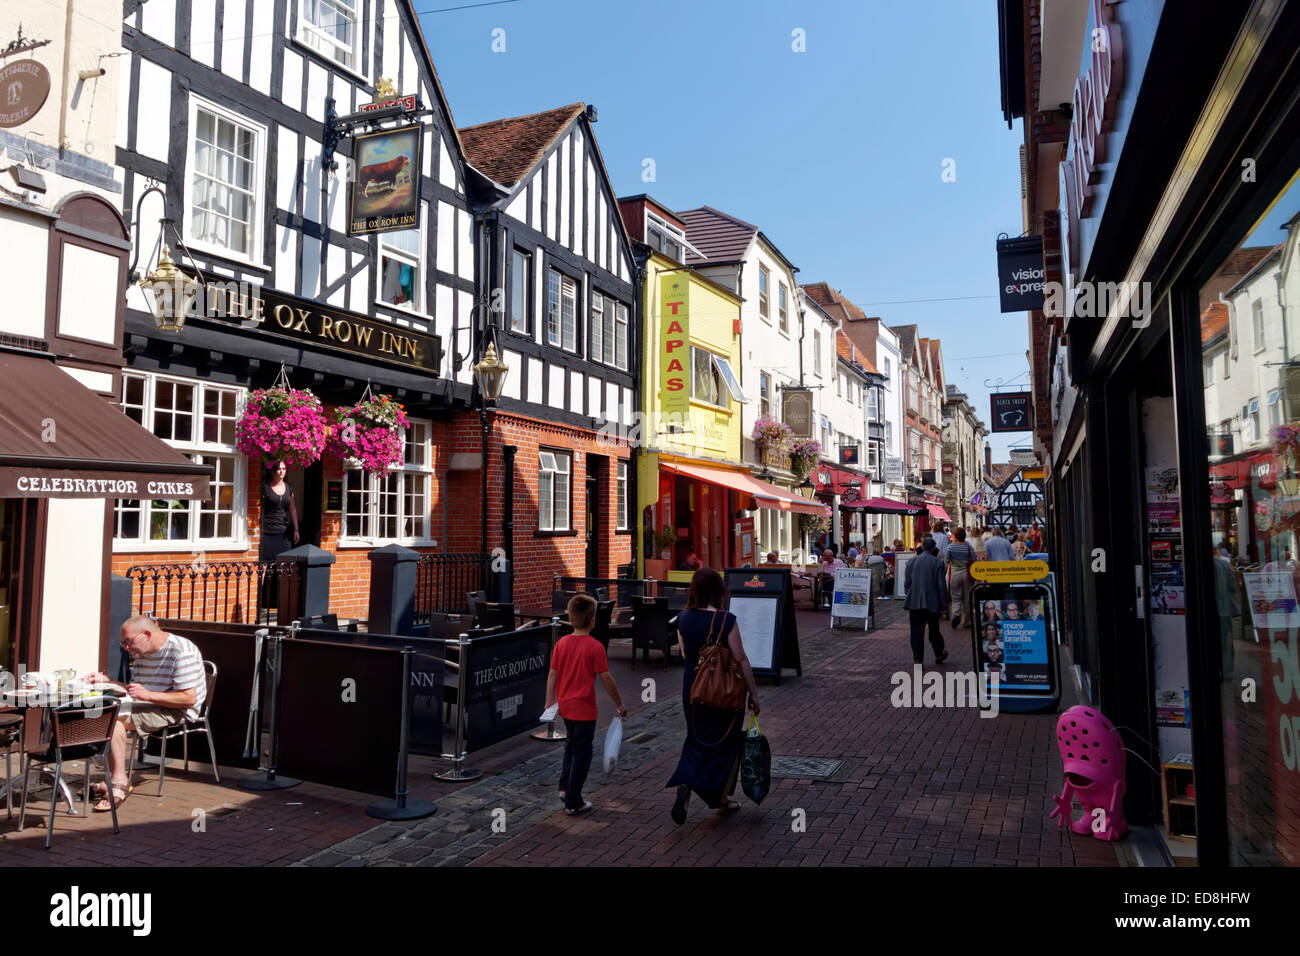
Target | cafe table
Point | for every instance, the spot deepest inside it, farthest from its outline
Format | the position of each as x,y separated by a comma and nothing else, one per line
537,613
35,706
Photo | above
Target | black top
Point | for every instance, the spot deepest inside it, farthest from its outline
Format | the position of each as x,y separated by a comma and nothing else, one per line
695,625
275,510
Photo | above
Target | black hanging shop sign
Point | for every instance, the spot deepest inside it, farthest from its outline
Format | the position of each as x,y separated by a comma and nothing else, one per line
1011,412
1020,273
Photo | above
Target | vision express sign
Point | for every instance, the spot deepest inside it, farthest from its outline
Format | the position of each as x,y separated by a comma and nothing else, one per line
1020,273
287,316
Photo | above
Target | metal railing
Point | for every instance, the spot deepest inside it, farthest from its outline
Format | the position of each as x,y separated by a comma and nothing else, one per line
225,592
442,580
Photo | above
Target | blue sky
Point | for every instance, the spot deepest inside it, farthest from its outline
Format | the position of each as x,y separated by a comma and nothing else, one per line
836,153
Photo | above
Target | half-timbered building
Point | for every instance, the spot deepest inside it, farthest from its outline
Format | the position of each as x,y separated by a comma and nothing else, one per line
223,108
561,285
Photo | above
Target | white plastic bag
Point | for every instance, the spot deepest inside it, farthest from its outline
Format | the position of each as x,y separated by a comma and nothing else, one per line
549,713
613,740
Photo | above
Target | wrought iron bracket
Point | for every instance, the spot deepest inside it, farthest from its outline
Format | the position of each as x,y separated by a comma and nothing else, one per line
337,127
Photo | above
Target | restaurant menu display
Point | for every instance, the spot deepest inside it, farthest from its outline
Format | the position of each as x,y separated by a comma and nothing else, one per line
1272,599
852,594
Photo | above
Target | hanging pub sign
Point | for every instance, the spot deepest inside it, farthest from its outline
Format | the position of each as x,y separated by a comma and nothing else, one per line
1020,273
24,86
927,476
797,411
848,454
386,181
1010,412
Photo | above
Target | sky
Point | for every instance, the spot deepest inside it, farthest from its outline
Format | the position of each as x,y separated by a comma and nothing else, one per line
837,153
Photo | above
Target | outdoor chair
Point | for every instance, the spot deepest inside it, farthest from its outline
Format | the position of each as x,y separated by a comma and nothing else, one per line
451,673
199,725
474,601
497,615
11,731
560,601
650,629
81,731
600,630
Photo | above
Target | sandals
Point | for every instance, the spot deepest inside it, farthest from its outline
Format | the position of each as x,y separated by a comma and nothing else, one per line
728,808
120,793
586,806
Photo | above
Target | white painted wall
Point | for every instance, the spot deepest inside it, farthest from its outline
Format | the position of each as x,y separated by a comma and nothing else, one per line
74,577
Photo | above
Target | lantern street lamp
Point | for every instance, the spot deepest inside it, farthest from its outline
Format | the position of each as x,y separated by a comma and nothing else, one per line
807,488
169,293
490,375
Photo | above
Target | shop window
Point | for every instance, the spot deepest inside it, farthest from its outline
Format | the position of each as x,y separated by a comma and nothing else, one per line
1254,528
622,515
555,470
226,181
521,298
399,268
394,507
330,28
197,419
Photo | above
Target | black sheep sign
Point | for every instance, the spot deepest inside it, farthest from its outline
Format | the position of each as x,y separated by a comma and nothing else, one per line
385,182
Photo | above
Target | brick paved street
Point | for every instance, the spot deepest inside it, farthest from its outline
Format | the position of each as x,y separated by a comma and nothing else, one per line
923,787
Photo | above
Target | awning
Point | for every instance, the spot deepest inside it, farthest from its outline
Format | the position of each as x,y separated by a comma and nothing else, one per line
58,439
886,506
835,481
764,494
937,512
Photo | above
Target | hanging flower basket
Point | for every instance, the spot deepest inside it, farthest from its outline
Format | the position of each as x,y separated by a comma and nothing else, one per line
771,434
282,424
815,525
803,456
370,434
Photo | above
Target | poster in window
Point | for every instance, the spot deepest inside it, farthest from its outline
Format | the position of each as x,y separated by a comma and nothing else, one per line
385,188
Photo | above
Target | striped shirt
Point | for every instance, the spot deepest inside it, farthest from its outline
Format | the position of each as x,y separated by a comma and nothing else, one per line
960,555
176,666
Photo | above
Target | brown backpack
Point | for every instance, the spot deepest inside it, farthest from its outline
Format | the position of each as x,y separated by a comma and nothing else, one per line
718,681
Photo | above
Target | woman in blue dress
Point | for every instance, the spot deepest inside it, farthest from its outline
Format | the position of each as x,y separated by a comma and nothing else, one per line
710,759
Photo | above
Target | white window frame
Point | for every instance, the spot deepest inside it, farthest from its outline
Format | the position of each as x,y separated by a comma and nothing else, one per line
817,352
1209,370
373,490
613,320
416,305
716,377
526,298
764,285
622,499
764,394
323,45
557,456
1257,321
558,340
198,450
257,243
782,308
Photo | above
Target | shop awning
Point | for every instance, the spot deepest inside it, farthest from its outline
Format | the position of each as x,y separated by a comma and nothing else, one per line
764,494
887,506
937,512
58,439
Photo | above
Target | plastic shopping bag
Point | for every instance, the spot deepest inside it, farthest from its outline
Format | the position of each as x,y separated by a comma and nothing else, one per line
550,713
613,740
755,763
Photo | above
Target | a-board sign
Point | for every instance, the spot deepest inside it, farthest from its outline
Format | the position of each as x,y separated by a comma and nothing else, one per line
852,596
1012,635
775,638
900,572
506,678
1008,572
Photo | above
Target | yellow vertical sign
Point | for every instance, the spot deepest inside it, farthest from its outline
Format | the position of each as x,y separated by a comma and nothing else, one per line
674,346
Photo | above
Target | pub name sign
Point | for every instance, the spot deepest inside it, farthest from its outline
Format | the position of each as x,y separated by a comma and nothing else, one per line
287,316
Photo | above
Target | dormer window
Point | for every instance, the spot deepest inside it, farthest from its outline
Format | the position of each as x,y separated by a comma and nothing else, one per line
665,238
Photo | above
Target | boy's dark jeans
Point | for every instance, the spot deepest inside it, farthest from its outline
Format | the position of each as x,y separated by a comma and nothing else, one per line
577,760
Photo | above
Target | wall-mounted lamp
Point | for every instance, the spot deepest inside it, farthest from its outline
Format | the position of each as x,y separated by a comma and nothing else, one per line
168,292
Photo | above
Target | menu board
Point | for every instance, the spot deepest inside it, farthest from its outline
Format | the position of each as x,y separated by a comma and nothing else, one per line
757,619
852,594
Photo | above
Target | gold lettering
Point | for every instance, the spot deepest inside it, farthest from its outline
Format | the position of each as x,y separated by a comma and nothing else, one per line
407,347
363,335
283,316
301,326
343,331
326,326
215,304
258,315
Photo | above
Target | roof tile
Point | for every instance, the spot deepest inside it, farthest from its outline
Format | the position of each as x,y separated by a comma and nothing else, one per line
506,150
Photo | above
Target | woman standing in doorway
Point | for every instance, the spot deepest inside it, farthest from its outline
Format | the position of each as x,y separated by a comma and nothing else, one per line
710,761
279,525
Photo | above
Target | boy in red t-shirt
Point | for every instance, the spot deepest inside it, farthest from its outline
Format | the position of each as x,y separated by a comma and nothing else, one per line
576,662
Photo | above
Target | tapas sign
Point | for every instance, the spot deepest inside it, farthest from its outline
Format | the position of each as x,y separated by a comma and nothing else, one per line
24,87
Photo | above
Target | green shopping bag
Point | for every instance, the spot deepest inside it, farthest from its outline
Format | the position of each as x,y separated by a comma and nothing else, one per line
755,763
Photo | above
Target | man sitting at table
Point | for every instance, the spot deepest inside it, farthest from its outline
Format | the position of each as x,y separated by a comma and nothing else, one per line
772,558
168,688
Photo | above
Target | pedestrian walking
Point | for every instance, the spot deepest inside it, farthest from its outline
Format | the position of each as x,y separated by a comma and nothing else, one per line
1018,547
577,661
977,542
710,761
999,548
960,557
927,595
940,536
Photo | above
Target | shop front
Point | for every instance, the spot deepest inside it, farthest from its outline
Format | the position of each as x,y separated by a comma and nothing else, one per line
844,489
1176,484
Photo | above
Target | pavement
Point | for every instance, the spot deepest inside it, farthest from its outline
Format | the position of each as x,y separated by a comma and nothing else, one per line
915,787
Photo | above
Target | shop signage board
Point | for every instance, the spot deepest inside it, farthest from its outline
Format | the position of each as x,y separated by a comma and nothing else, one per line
1009,571
852,598
1020,273
797,411
1010,412
674,344
848,454
1011,637
763,601
506,678
306,321
385,189
900,572
24,87
893,469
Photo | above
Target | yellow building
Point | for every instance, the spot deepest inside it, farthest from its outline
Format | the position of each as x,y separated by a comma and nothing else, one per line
693,492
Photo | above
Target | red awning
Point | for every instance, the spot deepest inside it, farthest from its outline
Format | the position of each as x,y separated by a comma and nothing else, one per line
883,506
835,481
764,494
937,512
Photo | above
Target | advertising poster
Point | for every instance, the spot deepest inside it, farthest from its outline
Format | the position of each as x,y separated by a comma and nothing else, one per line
385,194
1172,707
852,596
1012,641
1272,599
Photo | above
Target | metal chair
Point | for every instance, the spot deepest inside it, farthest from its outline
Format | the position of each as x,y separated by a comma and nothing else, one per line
81,731
600,630
196,725
474,601
497,615
650,629
11,731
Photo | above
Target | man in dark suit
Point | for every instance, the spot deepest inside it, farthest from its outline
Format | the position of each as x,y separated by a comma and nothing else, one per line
927,594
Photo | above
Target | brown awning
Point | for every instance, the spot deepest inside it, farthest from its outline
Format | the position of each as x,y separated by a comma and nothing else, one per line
58,439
